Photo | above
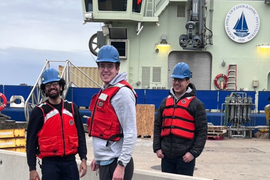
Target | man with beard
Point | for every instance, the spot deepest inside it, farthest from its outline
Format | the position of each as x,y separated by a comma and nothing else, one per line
180,128
55,134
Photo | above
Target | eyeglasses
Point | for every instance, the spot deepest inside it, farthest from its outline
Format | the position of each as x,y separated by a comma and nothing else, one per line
178,80
54,84
108,66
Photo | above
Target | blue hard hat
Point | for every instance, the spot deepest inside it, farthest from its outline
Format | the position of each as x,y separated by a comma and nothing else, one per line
181,71
50,75
108,53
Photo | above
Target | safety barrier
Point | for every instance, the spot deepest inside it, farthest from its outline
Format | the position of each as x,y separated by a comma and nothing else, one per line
263,97
13,165
212,99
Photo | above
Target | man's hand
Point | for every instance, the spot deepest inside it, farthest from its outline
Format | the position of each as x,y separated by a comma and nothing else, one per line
94,166
188,157
34,175
83,168
119,173
160,154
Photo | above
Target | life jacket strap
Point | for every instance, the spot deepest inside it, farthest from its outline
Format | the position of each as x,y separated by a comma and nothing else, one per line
114,136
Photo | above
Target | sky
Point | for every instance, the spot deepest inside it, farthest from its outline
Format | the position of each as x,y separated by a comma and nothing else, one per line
32,32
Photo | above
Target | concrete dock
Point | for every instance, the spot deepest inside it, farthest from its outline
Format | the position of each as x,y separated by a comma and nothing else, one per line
227,159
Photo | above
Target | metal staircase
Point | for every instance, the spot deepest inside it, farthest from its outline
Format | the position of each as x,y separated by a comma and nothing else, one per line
149,10
232,78
160,5
36,97
153,8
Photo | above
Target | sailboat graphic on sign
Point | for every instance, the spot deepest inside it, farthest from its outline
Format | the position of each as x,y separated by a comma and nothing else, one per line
241,27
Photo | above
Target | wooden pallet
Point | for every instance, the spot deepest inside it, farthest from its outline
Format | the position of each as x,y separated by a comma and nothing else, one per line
216,132
215,137
212,130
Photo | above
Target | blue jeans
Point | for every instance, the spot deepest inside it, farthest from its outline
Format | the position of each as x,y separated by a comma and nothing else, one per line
59,170
177,166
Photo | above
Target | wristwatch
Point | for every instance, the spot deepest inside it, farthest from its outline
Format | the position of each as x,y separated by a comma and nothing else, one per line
120,163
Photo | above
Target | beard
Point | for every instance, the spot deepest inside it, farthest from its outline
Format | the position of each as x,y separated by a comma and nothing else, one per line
53,96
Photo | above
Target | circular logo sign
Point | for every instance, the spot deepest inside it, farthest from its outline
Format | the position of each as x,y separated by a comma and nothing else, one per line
242,23
100,104
71,122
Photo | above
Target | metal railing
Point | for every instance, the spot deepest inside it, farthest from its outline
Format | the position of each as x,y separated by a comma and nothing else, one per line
36,96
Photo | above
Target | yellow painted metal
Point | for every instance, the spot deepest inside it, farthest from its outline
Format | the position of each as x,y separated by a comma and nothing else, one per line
267,111
10,133
12,142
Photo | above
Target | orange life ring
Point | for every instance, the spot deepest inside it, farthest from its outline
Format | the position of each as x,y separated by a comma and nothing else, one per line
4,104
219,79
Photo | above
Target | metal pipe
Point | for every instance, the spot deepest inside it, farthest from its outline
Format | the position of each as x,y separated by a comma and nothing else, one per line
211,12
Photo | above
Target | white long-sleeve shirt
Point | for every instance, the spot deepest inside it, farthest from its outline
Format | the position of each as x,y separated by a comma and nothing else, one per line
123,103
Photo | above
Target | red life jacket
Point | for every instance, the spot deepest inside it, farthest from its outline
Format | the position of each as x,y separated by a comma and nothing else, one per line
58,136
104,122
177,120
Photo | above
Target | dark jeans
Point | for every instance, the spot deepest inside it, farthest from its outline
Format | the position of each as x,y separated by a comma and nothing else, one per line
177,166
106,172
59,170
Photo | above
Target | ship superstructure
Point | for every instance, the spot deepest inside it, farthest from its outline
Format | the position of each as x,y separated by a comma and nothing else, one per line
212,37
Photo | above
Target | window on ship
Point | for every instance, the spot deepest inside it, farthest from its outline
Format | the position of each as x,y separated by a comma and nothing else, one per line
112,5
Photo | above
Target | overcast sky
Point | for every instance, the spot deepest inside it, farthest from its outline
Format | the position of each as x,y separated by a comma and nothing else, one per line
32,32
